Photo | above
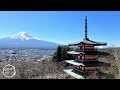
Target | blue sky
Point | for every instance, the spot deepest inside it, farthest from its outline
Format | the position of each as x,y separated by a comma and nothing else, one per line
62,26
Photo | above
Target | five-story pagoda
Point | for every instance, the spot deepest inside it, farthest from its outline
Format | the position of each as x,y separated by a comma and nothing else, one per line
85,61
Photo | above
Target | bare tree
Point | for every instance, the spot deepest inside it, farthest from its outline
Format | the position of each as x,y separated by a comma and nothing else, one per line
116,54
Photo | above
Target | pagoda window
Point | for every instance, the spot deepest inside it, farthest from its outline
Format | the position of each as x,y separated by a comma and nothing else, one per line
89,56
83,57
89,47
80,57
83,48
90,68
77,67
76,57
82,68
80,47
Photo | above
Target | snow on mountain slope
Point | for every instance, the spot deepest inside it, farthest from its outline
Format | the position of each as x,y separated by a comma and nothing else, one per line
23,36
24,40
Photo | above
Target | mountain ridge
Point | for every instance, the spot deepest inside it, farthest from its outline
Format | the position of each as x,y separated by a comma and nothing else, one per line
24,40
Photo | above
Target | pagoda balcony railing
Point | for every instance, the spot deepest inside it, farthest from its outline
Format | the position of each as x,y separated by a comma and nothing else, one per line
94,59
85,69
86,49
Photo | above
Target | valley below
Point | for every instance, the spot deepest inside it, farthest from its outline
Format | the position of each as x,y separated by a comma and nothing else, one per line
25,54
38,64
31,64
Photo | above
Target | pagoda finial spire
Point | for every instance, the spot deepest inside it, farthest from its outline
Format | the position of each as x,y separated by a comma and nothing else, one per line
86,27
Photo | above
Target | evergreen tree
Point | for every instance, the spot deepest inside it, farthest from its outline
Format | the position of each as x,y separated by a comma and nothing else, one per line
61,54
64,52
58,53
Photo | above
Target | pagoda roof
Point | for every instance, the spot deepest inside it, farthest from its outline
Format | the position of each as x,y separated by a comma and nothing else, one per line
87,63
74,52
73,73
88,41
74,63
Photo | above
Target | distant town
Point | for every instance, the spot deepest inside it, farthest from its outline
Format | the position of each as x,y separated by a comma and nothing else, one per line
25,54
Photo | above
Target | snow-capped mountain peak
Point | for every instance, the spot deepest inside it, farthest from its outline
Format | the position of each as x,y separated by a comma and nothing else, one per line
23,36
25,40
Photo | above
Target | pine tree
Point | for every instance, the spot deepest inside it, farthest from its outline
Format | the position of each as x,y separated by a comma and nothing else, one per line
61,54
58,56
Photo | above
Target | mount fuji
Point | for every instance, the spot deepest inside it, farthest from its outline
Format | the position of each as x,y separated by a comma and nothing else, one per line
25,40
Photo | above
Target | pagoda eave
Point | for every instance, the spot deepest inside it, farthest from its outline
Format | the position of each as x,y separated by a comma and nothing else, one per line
74,63
73,74
87,64
75,53
87,70
73,44
87,44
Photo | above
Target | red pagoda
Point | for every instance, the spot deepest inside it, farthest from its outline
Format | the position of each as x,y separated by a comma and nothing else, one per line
85,61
